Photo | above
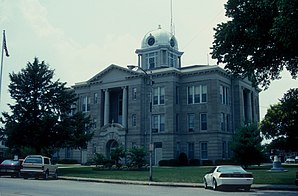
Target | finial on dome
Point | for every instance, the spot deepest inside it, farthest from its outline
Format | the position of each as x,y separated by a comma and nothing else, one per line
159,26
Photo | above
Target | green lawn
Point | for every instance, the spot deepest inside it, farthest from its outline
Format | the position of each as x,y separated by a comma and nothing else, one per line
180,174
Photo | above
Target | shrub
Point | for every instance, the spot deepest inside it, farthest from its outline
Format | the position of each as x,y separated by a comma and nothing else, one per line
99,159
136,157
183,161
224,162
194,162
117,154
68,161
170,163
207,162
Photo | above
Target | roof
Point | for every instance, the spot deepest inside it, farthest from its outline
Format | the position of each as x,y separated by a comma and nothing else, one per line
159,37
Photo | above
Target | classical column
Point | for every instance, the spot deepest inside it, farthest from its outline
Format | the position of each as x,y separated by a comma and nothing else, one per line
124,107
107,107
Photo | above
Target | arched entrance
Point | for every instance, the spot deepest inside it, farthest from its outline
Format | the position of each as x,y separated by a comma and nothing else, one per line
111,144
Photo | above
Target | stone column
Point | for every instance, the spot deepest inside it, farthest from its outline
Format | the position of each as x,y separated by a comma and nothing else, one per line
124,107
107,107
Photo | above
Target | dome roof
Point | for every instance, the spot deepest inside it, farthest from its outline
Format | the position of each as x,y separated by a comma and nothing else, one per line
159,37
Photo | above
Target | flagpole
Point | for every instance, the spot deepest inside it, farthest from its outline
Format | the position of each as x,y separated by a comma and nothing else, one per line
2,52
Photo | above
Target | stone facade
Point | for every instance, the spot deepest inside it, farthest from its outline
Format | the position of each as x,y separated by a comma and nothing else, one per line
194,109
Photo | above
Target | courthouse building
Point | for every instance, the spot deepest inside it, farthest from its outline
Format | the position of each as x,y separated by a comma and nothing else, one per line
193,109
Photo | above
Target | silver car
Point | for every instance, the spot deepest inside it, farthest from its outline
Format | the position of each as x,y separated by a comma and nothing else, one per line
228,176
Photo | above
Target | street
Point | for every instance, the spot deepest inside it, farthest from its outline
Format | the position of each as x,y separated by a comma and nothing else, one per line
32,187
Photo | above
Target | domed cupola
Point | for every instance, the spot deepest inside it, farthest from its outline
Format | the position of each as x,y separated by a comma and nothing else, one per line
159,49
159,37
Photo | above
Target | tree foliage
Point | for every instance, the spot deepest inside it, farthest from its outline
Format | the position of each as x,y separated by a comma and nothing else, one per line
137,156
117,154
246,146
40,117
259,40
281,121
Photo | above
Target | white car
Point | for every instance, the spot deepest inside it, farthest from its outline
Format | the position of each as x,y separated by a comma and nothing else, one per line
228,176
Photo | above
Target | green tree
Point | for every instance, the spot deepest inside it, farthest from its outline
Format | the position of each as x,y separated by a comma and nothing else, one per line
117,154
246,146
280,124
39,117
137,156
259,40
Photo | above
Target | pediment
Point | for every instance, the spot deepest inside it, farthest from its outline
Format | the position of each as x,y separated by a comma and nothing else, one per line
111,74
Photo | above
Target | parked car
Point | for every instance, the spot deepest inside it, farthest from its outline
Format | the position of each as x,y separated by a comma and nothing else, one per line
228,176
38,166
290,160
11,168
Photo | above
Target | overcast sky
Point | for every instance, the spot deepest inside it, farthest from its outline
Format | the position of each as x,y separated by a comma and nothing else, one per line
79,38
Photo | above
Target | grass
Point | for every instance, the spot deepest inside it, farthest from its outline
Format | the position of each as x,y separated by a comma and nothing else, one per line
180,174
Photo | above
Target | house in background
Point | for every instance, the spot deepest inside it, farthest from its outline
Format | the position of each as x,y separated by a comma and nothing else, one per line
193,109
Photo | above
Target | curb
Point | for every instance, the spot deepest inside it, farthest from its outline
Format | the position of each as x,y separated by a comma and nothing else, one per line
174,184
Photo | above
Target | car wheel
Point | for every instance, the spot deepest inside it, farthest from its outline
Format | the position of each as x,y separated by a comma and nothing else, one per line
214,184
205,183
46,175
56,175
25,176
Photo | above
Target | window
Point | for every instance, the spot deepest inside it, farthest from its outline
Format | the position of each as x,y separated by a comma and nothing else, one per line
93,148
204,93
191,122
159,96
204,150
222,121
228,122
225,122
177,149
151,60
197,94
86,104
191,150
224,150
203,120
164,57
46,161
67,153
95,97
224,95
229,149
134,120
158,123
134,93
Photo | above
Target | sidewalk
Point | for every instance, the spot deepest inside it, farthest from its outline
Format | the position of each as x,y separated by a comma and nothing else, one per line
176,184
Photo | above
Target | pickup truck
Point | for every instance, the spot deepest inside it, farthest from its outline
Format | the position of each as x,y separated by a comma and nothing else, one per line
38,166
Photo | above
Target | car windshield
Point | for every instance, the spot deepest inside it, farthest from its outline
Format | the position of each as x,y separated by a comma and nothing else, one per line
33,160
228,169
9,162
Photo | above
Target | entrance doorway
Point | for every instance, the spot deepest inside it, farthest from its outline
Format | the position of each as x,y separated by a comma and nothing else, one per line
111,144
